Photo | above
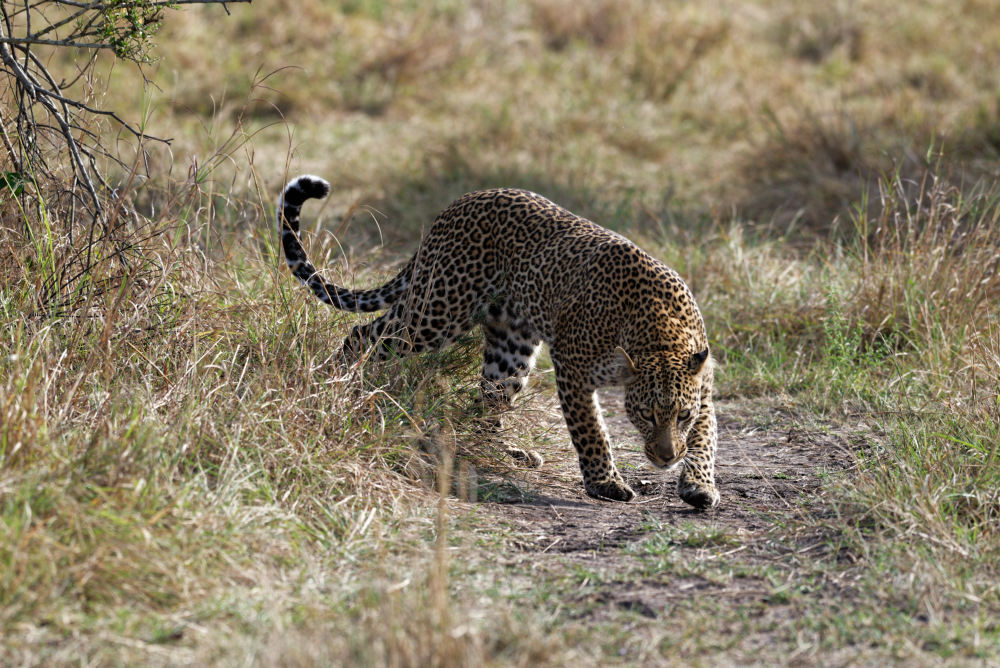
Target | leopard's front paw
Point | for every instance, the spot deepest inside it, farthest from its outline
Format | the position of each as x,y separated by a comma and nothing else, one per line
697,495
612,490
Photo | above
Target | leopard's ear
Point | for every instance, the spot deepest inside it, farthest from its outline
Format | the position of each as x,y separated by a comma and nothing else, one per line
625,373
697,361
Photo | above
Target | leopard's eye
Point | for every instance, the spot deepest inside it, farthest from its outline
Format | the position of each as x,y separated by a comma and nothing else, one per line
647,415
683,415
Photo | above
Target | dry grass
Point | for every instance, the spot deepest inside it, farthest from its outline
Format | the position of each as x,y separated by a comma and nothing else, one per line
182,480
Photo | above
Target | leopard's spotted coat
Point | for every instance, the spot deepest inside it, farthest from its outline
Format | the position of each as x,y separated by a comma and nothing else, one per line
533,272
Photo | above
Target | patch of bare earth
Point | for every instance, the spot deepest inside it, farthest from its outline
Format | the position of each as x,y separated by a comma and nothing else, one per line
648,555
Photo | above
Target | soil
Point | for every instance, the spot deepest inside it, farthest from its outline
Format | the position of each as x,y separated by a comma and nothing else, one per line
770,465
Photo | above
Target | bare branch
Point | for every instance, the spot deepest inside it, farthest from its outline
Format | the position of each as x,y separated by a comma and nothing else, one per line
56,42
48,123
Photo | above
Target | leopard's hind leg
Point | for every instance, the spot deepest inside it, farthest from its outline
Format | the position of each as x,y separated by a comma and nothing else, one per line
411,325
509,351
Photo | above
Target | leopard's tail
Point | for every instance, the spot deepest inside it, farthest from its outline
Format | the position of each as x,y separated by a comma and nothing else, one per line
290,204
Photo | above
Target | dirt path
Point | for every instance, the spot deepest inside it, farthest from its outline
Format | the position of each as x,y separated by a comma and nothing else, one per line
768,461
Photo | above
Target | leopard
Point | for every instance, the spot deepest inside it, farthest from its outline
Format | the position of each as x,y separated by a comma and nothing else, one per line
529,272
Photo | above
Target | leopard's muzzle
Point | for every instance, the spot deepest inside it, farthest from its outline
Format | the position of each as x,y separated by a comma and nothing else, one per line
665,450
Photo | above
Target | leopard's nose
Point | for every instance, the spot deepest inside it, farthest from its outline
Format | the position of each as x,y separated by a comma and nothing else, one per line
662,454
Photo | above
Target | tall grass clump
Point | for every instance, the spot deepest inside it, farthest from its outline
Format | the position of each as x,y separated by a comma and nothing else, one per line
927,292
894,328
888,330
901,305
180,452
929,279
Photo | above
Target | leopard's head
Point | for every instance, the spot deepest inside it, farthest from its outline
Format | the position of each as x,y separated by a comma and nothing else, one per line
662,399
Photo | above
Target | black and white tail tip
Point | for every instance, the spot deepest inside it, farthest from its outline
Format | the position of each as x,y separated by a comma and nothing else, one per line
298,190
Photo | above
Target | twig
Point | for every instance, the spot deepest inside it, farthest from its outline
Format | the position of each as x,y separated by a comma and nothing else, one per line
47,117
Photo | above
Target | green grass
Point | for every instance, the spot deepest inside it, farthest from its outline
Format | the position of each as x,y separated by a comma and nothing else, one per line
182,480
